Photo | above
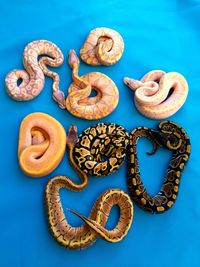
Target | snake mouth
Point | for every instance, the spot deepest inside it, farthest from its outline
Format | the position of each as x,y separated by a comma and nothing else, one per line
126,81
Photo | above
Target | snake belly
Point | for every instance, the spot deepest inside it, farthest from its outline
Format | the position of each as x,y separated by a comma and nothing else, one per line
159,95
173,137
35,69
103,46
101,149
42,144
94,224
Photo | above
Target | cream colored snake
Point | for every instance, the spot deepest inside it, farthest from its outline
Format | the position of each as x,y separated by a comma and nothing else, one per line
33,76
152,93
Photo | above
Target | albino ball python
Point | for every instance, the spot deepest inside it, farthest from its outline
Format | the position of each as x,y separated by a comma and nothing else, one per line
103,46
42,144
99,150
79,103
35,69
152,97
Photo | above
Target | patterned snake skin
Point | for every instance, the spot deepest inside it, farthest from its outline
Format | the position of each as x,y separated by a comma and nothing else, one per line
174,138
103,46
101,149
159,94
94,227
80,103
33,75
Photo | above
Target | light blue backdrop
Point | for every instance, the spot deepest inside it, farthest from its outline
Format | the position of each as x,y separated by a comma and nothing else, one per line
158,35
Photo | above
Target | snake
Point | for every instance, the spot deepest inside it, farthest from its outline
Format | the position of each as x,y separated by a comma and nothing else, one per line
79,102
41,145
103,46
159,95
173,137
99,150
94,224
32,78
87,154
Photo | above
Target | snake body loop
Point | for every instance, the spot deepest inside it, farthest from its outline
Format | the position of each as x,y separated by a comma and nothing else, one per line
35,69
103,46
94,224
174,138
42,143
79,103
152,94
101,149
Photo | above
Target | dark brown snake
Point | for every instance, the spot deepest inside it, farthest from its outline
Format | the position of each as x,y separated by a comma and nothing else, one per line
174,138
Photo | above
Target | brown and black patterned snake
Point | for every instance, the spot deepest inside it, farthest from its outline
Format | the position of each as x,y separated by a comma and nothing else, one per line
174,138
87,155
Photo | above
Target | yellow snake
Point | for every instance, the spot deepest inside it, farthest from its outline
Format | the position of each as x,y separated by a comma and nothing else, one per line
79,103
103,46
42,143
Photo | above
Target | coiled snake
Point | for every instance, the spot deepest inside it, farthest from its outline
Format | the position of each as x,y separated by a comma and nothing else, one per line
33,75
94,227
79,103
174,138
42,143
103,46
152,94
85,155
99,150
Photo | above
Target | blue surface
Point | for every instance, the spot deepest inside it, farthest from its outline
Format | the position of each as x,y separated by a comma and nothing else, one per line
158,35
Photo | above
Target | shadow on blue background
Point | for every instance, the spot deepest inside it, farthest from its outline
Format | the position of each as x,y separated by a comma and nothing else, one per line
158,35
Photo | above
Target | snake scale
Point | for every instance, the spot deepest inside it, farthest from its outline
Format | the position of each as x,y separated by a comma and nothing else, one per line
41,145
159,94
103,46
42,142
94,227
80,103
99,150
33,75
174,138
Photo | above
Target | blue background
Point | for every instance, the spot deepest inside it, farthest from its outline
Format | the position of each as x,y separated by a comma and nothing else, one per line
158,35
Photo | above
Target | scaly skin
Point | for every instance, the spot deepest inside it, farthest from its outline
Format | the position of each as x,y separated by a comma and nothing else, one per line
151,93
101,149
103,46
173,137
42,143
94,227
78,101
33,75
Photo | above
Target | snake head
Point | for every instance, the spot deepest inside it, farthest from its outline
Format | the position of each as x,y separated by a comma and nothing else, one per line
168,140
132,83
59,97
73,59
72,136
